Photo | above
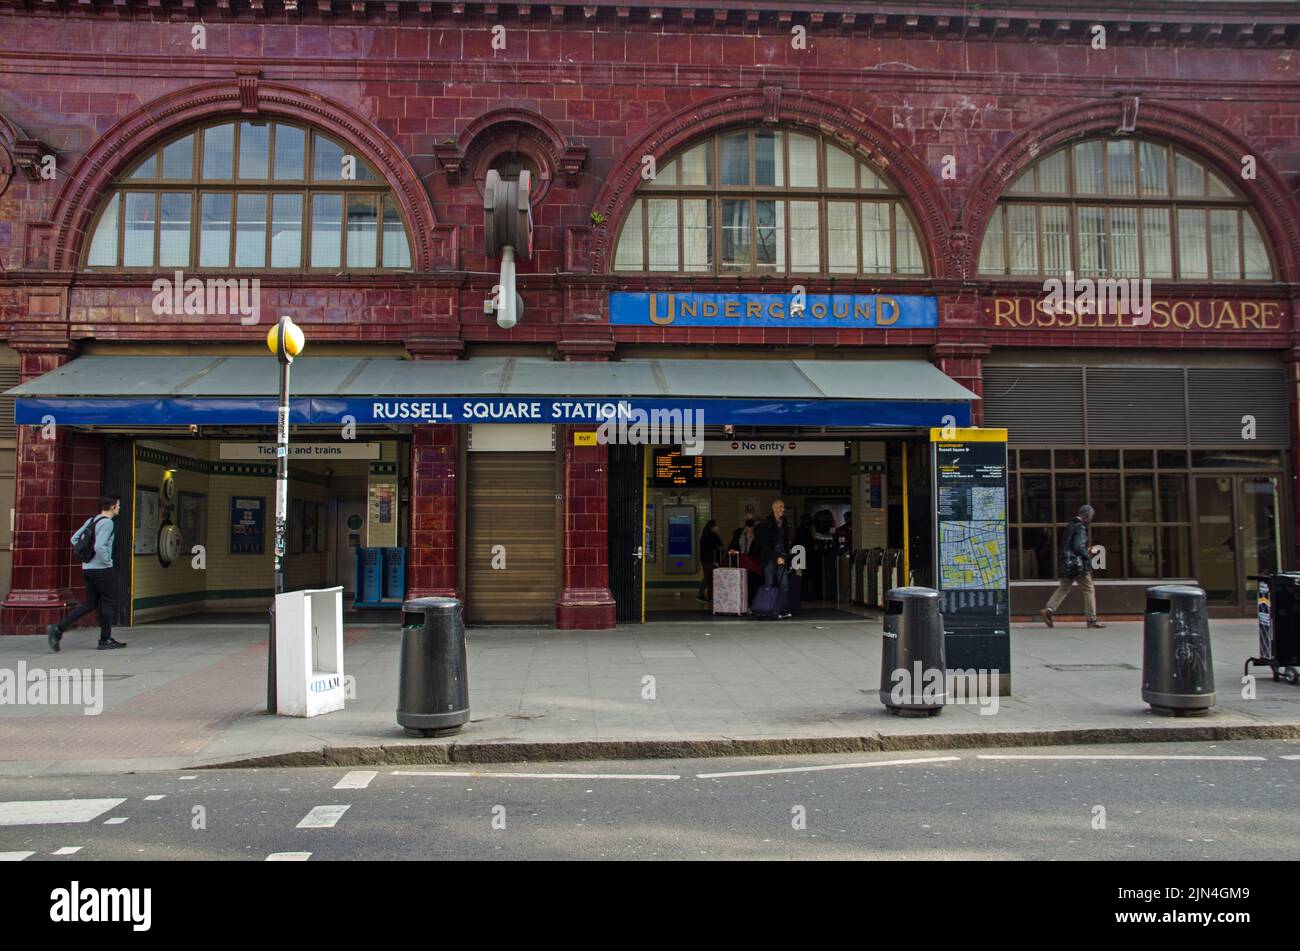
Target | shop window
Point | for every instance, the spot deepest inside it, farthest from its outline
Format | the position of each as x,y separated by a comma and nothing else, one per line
1124,208
768,201
1143,514
244,195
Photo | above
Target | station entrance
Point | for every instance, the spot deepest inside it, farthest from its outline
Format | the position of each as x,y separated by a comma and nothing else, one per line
197,525
858,504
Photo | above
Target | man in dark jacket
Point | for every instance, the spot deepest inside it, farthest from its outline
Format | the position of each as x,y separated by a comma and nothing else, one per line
772,548
1076,565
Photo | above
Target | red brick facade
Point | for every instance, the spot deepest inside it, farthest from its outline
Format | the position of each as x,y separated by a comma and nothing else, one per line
423,95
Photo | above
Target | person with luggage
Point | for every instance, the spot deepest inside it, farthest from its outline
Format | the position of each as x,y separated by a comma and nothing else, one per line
710,558
93,543
1075,566
772,549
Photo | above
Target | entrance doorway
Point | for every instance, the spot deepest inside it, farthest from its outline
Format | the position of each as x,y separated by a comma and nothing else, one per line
1238,535
626,522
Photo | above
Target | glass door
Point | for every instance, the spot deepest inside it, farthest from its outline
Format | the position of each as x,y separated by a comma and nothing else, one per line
1216,539
1238,535
1261,533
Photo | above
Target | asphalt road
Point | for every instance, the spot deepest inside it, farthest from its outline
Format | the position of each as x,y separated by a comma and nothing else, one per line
1180,801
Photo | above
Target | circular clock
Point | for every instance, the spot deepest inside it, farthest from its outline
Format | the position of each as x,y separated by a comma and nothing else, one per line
169,489
169,543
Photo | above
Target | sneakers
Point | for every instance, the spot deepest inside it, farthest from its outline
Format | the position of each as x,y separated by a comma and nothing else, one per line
110,645
53,635
1095,623
782,617
1047,617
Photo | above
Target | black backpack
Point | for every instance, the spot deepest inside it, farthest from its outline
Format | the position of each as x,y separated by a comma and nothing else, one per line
84,546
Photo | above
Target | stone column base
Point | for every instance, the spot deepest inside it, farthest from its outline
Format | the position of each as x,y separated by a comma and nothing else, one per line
28,612
586,609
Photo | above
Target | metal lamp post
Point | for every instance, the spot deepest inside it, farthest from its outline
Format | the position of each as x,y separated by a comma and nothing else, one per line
286,341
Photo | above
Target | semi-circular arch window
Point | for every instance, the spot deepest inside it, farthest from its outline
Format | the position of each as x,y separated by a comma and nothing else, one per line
250,195
1124,207
768,201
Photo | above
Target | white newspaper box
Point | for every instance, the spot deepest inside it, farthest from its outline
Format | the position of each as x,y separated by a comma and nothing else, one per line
309,652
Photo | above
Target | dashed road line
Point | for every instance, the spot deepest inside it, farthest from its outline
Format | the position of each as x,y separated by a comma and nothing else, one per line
14,856
357,779
67,850
833,766
323,817
288,857
493,775
117,821
51,811
155,798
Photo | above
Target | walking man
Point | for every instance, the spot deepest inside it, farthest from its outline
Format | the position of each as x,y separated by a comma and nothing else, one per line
94,543
1076,565
772,544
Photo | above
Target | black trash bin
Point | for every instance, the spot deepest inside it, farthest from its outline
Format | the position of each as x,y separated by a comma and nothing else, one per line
433,681
1177,667
913,675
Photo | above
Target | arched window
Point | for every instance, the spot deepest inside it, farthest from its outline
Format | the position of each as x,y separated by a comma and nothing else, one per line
249,195
1124,207
768,201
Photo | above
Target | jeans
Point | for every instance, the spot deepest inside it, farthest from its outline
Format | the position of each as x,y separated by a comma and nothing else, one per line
1089,595
100,597
770,572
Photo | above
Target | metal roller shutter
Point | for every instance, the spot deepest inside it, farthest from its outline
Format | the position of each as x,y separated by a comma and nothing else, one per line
8,380
1039,406
1136,406
510,502
1220,398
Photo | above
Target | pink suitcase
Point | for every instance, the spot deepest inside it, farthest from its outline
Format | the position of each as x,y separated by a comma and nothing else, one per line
730,591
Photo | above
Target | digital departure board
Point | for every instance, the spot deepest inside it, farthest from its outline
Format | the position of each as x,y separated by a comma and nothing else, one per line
671,468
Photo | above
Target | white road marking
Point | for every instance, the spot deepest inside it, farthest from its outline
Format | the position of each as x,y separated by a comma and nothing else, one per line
67,850
1122,756
485,775
48,812
183,778
323,817
819,769
357,779
155,798
1289,757
288,856
115,822
14,856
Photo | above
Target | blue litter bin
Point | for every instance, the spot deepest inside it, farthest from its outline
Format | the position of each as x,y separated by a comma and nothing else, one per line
370,574
395,573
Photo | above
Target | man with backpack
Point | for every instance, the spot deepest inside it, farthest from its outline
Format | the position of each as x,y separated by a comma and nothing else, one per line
93,543
1076,566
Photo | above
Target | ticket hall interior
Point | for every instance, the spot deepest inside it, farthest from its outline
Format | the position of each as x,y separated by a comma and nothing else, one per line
845,499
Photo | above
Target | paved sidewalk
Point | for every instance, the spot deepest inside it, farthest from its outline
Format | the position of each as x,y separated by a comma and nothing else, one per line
183,696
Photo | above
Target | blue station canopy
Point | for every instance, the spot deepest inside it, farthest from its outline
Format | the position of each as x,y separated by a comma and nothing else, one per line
237,390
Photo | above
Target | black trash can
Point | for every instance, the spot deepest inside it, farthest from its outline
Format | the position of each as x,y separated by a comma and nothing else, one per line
433,680
913,675
1177,667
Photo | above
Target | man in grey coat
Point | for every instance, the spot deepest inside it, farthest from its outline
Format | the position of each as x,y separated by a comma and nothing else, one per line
99,577
1076,565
